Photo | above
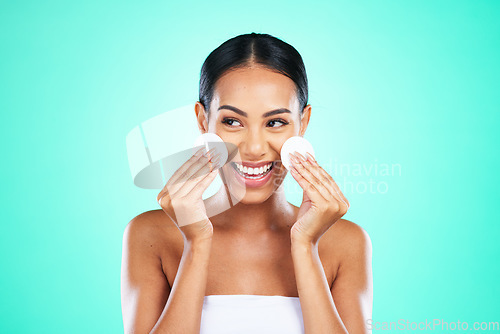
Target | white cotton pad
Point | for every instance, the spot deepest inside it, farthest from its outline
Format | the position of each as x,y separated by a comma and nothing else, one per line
295,144
209,141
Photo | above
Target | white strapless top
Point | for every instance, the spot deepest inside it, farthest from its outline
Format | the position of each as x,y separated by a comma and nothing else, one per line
245,314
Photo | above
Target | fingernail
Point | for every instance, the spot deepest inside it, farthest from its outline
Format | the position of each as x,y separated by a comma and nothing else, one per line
216,158
199,152
209,152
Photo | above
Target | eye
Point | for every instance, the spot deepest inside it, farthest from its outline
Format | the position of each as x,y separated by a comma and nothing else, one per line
283,123
272,123
229,121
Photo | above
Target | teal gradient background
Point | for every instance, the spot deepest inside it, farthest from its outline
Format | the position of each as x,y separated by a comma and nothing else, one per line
411,84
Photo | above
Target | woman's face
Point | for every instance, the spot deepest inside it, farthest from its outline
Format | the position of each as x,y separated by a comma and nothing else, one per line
257,110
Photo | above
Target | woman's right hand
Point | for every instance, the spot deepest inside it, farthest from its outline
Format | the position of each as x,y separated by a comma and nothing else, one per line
181,198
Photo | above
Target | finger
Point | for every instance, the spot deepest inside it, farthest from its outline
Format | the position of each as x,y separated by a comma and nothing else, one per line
329,179
312,194
304,170
198,176
326,179
186,186
185,172
186,182
164,198
315,170
163,193
180,171
337,188
201,186
187,167
160,196
309,189
174,179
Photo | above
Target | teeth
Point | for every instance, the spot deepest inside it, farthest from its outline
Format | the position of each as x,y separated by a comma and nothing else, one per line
253,171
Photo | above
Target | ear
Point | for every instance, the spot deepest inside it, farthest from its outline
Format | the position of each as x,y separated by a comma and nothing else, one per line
304,121
201,117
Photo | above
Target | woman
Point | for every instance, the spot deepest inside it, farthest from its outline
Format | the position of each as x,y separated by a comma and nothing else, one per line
194,265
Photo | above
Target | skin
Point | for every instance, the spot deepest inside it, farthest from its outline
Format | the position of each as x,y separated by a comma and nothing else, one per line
254,91
262,245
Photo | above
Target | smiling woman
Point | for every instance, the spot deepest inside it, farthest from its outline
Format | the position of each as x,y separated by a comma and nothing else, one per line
263,265
256,107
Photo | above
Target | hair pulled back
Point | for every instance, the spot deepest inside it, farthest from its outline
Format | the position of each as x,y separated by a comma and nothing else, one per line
246,50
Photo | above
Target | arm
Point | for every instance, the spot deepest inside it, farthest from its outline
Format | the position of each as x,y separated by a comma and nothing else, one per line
345,307
352,289
149,304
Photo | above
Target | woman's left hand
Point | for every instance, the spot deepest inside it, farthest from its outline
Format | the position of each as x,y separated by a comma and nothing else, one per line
323,203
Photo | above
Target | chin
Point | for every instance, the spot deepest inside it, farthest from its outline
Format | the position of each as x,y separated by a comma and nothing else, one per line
255,197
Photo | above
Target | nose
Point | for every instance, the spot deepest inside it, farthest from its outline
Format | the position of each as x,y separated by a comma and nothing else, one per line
254,146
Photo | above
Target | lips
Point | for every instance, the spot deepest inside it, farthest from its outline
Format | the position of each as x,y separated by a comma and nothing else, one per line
253,169
257,171
255,164
253,175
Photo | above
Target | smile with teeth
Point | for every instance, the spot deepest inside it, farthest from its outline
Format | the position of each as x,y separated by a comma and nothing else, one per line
252,173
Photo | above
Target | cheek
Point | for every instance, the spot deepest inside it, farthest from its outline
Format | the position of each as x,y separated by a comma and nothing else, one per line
228,137
277,143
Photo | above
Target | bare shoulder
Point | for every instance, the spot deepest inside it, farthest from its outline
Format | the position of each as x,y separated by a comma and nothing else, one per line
345,241
145,287
347,234
153,230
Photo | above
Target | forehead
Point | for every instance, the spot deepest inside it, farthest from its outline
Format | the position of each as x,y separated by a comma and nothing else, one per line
255,89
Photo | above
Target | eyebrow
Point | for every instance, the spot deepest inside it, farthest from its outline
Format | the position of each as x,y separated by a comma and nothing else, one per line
267,114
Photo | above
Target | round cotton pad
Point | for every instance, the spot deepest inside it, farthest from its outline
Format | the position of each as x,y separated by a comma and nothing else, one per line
209,141
295,144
